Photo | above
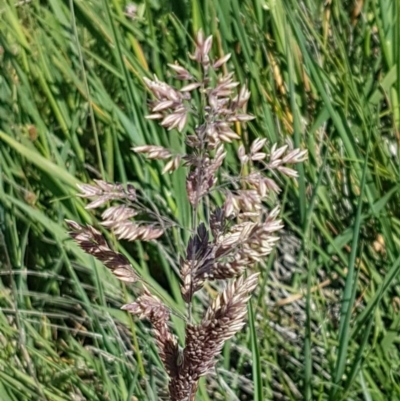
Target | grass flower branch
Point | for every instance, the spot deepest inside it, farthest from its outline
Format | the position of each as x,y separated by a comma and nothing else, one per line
240,231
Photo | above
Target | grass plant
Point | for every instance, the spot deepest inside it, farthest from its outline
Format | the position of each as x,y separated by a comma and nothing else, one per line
325,74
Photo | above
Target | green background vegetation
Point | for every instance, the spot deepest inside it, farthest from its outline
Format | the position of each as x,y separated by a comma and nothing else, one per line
72,102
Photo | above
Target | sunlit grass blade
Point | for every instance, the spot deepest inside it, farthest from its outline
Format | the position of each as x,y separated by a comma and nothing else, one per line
349,292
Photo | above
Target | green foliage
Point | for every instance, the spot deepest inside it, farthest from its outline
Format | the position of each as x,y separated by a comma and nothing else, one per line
72,103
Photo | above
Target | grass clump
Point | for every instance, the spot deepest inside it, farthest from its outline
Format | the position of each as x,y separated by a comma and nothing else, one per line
72,105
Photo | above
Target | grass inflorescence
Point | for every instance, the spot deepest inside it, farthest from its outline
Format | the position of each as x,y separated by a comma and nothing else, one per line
324,318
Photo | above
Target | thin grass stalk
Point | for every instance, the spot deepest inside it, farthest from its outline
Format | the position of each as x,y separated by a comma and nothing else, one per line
85,81
349,292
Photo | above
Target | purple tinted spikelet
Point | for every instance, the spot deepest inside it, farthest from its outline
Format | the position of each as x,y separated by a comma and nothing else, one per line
198,264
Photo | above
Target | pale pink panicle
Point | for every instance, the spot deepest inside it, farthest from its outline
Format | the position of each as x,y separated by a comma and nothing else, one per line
226,241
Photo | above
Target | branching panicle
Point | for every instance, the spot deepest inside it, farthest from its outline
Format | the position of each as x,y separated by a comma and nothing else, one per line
240,232
93,243
119,217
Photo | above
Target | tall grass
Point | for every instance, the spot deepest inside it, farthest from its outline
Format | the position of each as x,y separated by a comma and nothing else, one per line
72,103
